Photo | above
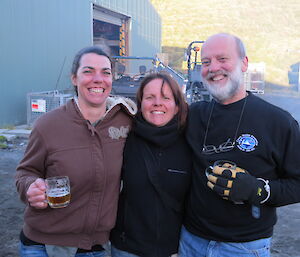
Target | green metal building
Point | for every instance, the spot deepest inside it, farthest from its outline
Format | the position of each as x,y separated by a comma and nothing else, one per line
39,38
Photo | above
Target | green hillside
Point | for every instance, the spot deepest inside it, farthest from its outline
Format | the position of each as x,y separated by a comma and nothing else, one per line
270,29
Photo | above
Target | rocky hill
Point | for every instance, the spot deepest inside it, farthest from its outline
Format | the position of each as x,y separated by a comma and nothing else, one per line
270,29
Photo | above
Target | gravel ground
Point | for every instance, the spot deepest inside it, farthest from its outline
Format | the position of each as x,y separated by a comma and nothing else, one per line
11,209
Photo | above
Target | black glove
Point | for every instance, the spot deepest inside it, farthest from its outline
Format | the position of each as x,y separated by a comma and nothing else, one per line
236,184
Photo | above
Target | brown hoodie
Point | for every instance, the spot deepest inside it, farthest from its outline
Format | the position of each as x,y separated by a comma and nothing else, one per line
63,143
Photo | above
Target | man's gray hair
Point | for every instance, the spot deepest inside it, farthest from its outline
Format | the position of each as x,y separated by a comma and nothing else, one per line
240,47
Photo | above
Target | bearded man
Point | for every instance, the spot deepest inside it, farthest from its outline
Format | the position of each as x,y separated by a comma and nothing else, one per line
246,161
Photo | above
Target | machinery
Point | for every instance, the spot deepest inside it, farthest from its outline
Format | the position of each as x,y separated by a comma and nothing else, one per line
130,71
195,91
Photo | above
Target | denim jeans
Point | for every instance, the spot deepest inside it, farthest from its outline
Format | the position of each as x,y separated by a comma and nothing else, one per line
115,252
40,251
119,253
195,246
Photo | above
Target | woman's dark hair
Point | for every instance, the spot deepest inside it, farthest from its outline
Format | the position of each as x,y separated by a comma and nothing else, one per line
175,88
78,56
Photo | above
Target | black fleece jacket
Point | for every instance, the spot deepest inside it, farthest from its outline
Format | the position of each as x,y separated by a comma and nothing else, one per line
156,177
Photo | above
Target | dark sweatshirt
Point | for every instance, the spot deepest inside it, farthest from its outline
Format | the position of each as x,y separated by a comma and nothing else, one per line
266,146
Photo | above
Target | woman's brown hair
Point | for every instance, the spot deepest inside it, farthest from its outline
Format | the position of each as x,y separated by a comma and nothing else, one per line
82,52
175,88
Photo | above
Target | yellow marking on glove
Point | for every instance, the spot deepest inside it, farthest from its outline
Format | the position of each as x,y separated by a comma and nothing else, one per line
210,185
229,183
219,170
226,192
227,165
238,169
212,178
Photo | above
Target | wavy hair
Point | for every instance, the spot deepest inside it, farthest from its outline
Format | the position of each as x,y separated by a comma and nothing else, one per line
176,90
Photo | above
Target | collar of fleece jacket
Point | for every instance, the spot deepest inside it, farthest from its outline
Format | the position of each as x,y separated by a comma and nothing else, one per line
160,136
127,103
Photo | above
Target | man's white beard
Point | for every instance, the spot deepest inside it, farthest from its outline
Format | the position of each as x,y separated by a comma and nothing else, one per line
225,92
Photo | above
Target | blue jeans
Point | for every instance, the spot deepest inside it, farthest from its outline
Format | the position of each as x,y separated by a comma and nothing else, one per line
115,252
119,253
40,251
195,246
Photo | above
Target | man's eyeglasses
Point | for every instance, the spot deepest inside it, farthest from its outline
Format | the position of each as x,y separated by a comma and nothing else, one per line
224,147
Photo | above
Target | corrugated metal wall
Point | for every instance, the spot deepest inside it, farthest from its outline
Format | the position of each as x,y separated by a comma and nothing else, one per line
145,24
38,40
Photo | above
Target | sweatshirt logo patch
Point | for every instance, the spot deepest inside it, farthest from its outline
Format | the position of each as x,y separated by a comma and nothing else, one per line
117,133
247,143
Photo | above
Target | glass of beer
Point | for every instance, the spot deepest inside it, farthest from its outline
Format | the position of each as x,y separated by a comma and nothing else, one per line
58,191
221,164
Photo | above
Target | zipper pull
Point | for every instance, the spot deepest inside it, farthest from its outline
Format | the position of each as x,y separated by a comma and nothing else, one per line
123,236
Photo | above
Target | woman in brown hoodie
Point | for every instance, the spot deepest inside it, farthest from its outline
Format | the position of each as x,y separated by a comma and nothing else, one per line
83,140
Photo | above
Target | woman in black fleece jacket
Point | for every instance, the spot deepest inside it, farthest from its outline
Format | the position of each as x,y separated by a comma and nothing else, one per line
156,173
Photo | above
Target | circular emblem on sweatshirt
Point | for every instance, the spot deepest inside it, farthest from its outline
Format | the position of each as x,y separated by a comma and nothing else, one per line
247,142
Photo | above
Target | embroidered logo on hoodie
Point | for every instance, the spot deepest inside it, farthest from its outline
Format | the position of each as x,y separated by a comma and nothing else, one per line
117,133
247,143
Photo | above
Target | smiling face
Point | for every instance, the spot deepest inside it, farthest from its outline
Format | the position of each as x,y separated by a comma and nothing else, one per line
220,91
222,69
158,104
93,80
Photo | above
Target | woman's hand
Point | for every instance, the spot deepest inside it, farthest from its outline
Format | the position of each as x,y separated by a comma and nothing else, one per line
36,194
